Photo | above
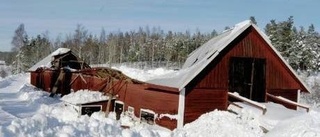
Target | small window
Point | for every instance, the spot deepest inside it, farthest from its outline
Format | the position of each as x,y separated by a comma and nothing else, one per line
89,109
131,111
147,116
118,108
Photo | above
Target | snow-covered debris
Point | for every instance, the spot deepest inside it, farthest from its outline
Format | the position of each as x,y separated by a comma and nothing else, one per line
46,62
83,96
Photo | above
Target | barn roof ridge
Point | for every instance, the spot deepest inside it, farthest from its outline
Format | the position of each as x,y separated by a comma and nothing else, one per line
206,53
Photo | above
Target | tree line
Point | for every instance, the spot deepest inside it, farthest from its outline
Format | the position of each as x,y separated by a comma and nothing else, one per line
298,45
154,47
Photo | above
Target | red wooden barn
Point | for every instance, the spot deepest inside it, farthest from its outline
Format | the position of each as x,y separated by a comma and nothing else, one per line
239,60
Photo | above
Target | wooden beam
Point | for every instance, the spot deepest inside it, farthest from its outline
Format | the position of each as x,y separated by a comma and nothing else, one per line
282,99
250,102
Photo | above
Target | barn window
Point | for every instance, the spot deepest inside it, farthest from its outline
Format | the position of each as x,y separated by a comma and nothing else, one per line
131,111
89,109
118,108
147,116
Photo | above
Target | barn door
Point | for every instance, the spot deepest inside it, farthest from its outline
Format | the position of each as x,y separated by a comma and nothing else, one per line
247,77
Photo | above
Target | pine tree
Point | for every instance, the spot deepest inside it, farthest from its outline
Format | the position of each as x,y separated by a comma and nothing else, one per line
79,37
19,40
91,50
282,37
253,20
313,42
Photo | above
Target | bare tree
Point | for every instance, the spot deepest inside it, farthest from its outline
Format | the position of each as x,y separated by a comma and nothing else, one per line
79,38
19,38
102,47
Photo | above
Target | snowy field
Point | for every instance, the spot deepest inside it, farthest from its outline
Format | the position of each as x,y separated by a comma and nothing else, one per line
29,112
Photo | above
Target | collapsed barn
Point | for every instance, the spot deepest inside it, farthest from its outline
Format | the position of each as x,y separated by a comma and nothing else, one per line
241,60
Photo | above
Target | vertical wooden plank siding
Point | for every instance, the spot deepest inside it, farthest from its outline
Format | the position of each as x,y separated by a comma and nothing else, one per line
34,79
208,90
47,78
249,44
287,93
161,102
200,101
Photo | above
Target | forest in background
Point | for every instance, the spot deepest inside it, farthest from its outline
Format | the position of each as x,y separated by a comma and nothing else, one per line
152,47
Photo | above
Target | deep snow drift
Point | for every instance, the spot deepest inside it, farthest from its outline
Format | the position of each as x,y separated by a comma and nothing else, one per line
27,111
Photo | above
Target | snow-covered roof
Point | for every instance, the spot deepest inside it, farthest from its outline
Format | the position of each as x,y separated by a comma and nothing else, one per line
83,97
46,62
206,53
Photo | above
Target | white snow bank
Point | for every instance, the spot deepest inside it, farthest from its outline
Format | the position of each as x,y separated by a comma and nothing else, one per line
306,125
220,124
83,96
274,114
28,111
44,124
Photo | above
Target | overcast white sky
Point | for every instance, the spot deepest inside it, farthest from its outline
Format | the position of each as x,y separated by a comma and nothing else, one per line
60,17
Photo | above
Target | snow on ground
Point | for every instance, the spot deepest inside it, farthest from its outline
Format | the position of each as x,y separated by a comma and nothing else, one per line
26,111
221,124
306,125
274,114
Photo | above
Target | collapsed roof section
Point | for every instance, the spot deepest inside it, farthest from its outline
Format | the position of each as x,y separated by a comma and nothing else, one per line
62,57
104,73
